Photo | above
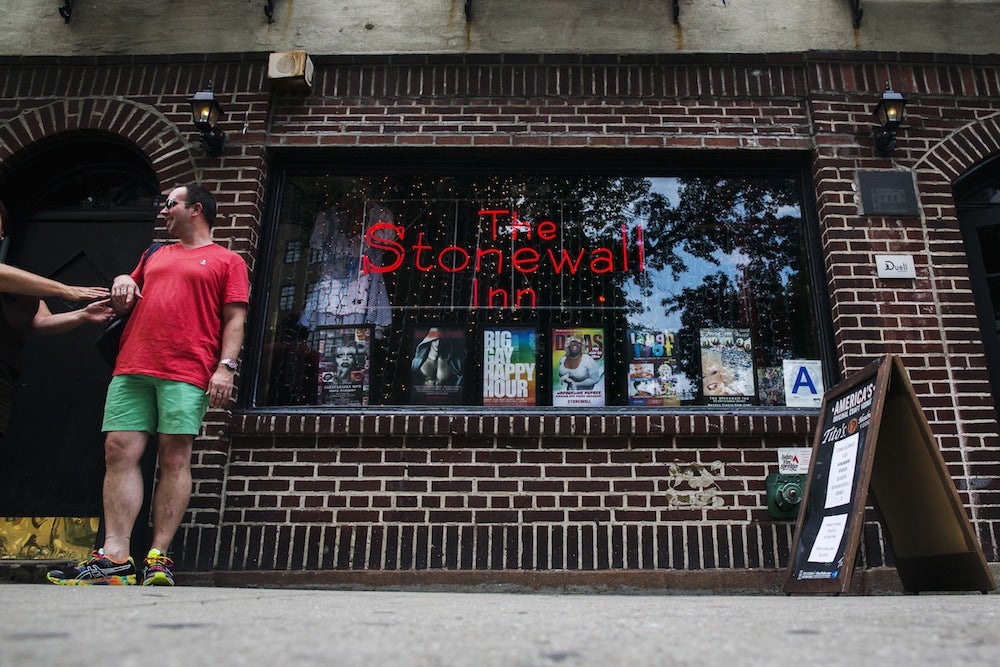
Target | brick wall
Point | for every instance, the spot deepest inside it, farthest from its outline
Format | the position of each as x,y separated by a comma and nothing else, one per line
487,492
952,123
301,491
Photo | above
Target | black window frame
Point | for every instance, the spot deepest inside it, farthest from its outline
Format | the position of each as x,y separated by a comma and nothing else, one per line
667,163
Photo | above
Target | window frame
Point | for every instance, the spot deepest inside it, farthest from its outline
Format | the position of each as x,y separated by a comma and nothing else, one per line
352,162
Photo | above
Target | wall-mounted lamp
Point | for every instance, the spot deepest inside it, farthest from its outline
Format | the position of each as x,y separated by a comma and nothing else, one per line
205,112
889,114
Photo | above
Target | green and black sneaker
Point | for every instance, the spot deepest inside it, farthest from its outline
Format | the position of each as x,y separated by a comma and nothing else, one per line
156,571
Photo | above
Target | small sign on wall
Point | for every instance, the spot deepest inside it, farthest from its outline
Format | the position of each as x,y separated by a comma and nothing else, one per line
895,266
888,193
794,460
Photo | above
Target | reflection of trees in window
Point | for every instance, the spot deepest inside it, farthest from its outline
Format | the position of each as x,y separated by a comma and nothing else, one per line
753,226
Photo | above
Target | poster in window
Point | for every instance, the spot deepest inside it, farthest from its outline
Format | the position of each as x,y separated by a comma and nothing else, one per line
578,367
437,371
654,378
727,370
509,365
803,382
770,385
344,364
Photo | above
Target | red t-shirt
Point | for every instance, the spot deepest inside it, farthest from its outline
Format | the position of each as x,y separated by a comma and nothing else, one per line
175,331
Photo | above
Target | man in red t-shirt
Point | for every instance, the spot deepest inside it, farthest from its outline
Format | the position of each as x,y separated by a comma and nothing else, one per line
177,358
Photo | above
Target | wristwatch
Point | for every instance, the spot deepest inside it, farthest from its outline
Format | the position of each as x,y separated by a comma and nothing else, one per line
231,364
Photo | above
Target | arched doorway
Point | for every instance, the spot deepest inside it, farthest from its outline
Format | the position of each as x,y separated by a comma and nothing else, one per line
84,206
977,196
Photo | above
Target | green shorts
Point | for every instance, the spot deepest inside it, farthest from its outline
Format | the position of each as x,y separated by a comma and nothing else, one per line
154,405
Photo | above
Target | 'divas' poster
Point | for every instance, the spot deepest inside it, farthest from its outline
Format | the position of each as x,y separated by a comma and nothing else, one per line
578,356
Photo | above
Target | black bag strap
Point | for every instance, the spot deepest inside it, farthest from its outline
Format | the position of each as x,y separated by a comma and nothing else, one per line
153,247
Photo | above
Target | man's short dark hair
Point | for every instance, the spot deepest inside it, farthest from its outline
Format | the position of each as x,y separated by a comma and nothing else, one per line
199,195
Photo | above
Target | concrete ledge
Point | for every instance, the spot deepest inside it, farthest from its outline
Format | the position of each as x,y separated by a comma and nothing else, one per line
694,582
877,581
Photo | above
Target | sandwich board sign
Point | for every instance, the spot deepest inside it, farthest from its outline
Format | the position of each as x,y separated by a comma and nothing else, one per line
873,437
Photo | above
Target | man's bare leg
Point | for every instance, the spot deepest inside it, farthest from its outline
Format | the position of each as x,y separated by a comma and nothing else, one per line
123,490
173,488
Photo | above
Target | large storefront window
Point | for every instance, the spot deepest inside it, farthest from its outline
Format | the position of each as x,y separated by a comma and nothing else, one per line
501,289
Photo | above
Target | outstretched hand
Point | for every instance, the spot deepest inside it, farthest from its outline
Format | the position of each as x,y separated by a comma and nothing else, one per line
76,293
98,312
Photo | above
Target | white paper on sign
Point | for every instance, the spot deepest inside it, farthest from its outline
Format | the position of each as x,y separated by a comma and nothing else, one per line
828,539
840,485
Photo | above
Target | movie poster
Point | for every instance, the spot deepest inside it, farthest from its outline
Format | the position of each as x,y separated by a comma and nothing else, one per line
437,370
727,370
578,367
654,378
509,364
344,364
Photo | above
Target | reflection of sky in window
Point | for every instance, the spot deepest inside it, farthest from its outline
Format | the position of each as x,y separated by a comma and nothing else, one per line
663,282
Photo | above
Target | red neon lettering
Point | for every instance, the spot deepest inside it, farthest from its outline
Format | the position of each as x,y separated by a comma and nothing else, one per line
420,247
497,292
527,291
642,251
454,268
547,230
525,260
480,253
516,224
624,247
602,256
391,247
493,213
566,260
493,293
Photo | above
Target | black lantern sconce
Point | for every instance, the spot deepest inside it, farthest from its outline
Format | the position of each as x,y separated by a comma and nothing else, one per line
889,113
205,112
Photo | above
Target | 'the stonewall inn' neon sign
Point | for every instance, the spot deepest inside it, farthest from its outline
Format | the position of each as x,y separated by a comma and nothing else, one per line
524,260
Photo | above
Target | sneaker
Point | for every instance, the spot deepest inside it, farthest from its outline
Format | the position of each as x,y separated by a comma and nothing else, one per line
96,570
157,572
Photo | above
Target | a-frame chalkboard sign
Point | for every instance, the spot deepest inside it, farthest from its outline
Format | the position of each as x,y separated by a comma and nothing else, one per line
873,436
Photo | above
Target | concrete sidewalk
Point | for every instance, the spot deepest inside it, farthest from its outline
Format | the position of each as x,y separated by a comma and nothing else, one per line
53,625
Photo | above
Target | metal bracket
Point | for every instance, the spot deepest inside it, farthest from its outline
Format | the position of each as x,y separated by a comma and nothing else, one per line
856,12
468,10
269,10
66,11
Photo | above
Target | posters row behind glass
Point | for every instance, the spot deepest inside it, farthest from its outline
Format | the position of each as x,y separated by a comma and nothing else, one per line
577,374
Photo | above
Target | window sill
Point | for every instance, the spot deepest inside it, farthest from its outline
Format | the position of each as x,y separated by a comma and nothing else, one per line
541,422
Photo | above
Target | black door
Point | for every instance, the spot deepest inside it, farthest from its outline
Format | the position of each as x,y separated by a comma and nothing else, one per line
981,229
53,456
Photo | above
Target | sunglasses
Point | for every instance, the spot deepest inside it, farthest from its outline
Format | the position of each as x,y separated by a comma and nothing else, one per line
170,203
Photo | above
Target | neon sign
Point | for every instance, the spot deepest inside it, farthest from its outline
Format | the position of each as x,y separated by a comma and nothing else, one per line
495,260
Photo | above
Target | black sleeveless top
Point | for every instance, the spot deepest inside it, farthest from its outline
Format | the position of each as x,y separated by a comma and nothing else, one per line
16,313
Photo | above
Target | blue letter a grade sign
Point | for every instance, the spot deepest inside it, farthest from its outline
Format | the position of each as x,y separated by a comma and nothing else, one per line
803,382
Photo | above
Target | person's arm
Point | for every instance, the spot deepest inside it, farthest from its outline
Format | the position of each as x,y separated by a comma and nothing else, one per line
594,373
220,386
45,323
18,281
124,294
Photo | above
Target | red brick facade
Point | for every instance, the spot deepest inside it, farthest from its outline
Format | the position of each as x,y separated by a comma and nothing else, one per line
618,490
